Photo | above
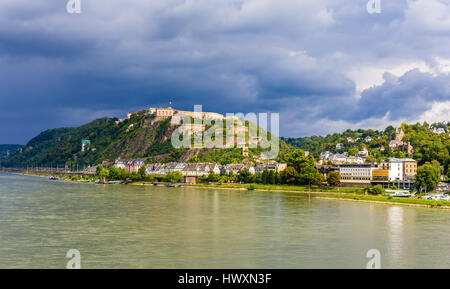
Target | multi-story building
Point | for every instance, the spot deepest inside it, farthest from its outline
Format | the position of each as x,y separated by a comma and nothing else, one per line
400,172
380,176
120,163
400,169
162,112
235,168
356,174
354,160
364,153
409,169
134,165
394,167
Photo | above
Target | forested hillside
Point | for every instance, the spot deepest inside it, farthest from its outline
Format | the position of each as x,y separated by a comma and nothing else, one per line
7,149
428,146
142,136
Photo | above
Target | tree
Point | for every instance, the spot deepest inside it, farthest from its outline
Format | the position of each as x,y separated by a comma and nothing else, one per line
370,159
142,172
244,176
272,177
289,176
334,178
212,177
310,176
427,177
194,159
268,177
98,169
173,177
437,165
113,173
353,151
104,173
298,160
375,190
265,177
232,176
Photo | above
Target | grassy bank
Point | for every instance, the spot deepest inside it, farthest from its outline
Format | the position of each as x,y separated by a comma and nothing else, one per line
285,188
338,193
388,200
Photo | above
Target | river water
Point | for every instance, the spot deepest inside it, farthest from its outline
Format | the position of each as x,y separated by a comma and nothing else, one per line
124,226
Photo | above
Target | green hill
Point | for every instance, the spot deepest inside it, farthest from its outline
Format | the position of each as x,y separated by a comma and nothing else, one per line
8,149
428,146
141,136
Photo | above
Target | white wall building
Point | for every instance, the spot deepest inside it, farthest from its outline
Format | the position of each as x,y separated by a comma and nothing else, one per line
395,167
356,173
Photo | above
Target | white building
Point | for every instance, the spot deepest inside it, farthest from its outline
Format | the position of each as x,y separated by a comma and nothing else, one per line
356,173
326,155
395,168
400,169
364,153
120,163
355,160
393,144
235,168
437,130
338,158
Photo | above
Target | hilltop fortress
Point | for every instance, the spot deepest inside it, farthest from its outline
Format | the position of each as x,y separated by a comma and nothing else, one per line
241,131
168,112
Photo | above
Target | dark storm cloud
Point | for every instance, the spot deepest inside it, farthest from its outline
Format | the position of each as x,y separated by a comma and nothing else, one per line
292,57
408,95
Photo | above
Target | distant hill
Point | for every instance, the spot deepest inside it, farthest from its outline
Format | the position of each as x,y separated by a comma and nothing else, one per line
8,149
428,144
143,136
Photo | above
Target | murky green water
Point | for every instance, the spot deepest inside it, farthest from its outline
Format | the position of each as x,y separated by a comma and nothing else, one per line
121,226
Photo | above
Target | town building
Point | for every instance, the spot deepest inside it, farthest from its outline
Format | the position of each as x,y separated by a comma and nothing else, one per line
443,187
437,130
326,169
356,174
276,167
409,169
399,134
364,153
164,112
394,167
120,163
134,165
338,159
192,171
235,168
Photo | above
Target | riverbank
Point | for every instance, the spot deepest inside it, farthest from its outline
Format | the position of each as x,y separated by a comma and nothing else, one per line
340,193
333,193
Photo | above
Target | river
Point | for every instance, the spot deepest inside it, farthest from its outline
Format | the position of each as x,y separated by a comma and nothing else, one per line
124,226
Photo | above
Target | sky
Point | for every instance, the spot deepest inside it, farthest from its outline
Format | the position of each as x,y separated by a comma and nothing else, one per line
323,65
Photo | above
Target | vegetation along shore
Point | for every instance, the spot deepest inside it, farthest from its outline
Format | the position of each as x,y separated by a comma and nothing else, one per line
319,192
